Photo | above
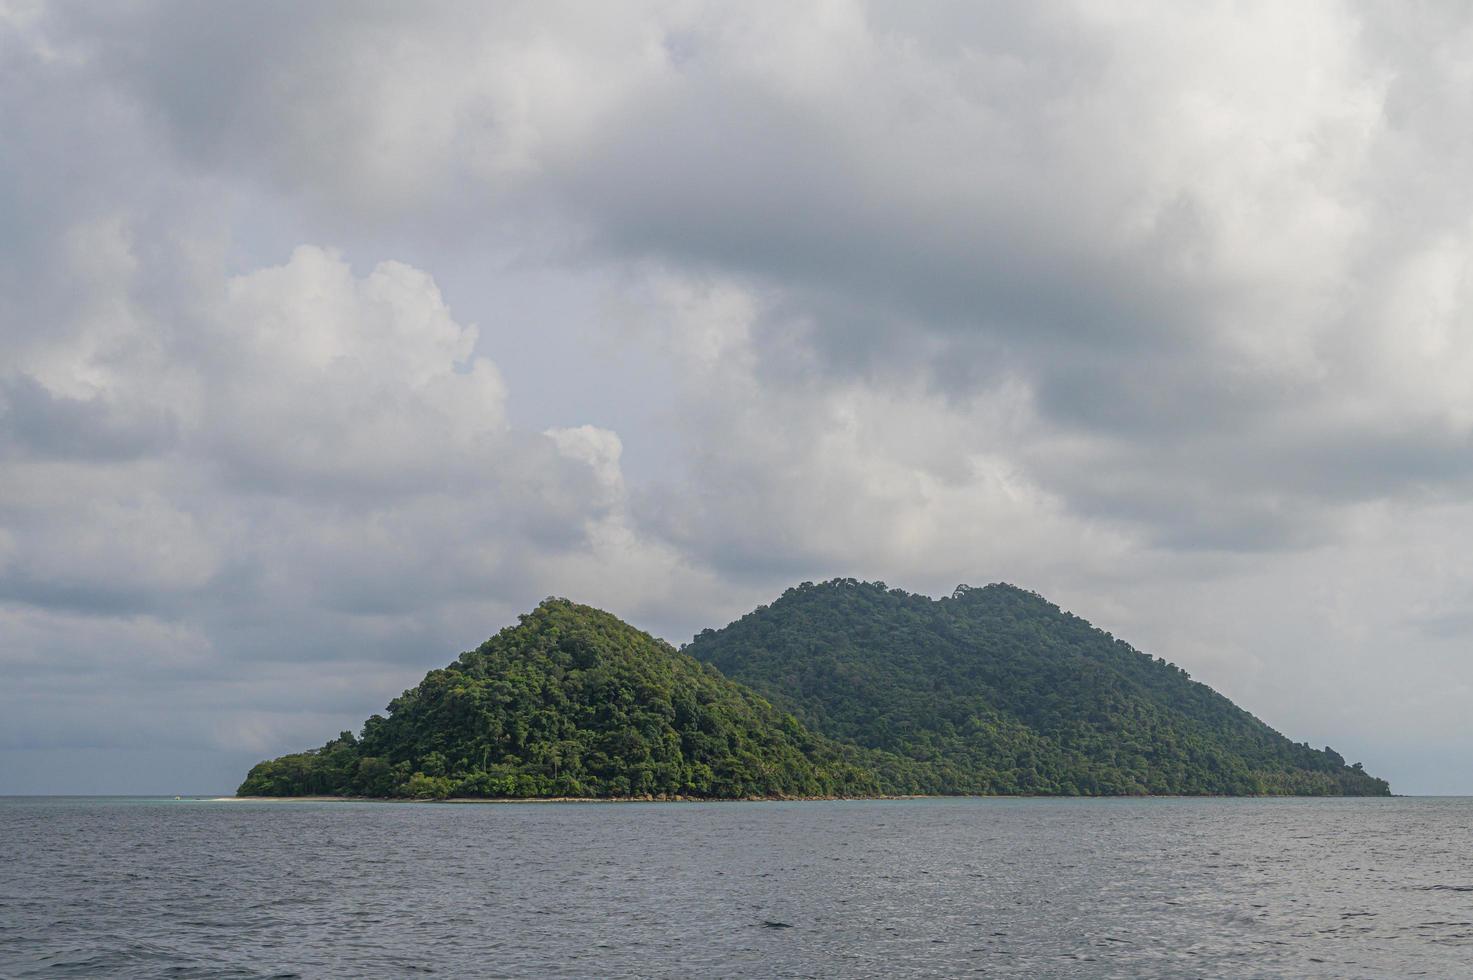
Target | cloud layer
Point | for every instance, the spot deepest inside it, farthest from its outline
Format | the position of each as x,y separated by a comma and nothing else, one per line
333,338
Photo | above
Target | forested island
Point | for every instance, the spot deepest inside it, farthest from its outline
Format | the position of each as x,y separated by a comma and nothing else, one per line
837,689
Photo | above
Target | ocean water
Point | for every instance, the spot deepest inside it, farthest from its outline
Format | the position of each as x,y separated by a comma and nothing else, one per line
996,887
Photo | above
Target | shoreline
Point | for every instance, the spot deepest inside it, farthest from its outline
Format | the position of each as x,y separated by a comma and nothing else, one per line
459,800
568,799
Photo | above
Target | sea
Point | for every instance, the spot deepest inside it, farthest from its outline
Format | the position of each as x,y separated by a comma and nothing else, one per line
135,887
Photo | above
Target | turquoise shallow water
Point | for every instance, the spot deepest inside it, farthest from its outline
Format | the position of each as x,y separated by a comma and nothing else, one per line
998,887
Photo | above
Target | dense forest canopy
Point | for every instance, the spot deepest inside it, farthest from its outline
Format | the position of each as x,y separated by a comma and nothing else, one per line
996,690
840,689
572,702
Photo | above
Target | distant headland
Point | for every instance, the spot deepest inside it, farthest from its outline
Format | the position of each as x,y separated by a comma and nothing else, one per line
835,690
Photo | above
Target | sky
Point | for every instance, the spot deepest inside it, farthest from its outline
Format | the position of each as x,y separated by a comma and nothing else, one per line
333,336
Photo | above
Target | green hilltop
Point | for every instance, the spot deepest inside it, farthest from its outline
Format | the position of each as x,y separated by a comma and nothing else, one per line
844,688
572,702
996,690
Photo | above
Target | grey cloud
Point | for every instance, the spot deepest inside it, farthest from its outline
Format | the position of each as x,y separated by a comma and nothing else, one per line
39,422
1097,300
1025,273
273,497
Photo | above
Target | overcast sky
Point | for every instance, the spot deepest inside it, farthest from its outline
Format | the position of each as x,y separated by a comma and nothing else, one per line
332,336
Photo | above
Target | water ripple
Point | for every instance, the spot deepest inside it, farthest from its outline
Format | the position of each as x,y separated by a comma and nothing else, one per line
1065,888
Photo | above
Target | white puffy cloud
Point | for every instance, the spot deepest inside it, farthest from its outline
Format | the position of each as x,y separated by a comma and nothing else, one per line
245,508
317,374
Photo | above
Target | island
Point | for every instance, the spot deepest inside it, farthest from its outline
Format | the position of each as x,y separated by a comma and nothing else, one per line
837,689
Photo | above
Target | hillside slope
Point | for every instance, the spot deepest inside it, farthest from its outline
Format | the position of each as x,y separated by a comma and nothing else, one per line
572,702
995,690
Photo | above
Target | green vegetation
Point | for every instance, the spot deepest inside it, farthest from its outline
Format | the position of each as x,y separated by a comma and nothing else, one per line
995,690
840,689
572,702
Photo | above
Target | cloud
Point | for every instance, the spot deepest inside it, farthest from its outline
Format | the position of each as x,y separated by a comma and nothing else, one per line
240,508
1172,226
1152,309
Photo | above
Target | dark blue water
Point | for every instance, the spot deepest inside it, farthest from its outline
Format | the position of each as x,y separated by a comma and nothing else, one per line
1129,888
